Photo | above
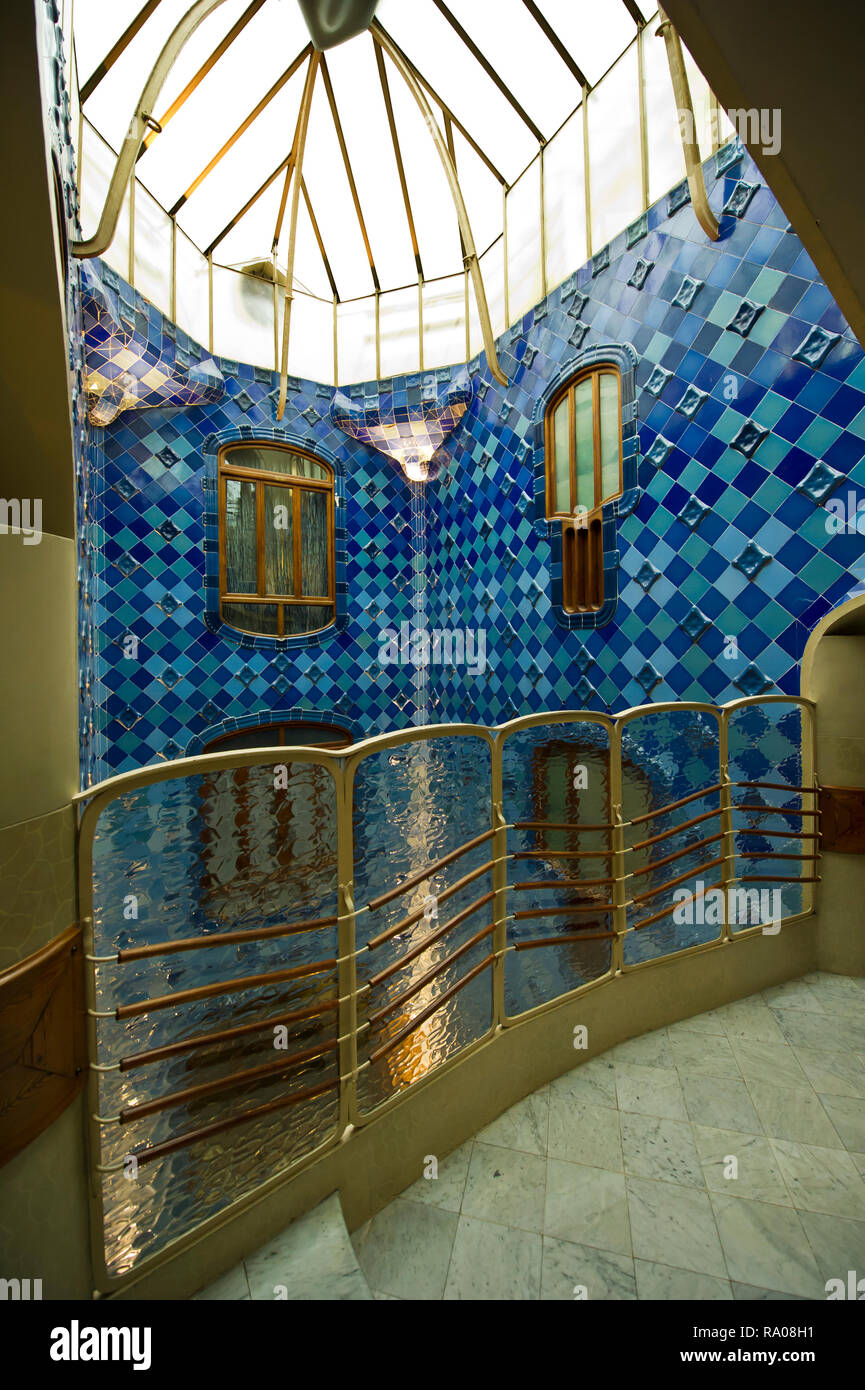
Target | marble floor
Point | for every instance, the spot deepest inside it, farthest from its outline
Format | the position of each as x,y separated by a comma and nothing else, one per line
722,1157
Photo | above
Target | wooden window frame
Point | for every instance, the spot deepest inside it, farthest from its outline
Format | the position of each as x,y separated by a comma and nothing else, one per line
231,468
344,739
582,540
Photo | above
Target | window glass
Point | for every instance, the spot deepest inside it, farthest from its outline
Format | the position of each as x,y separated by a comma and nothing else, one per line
562,447
240,548
278,539
313,543
585,449
610,432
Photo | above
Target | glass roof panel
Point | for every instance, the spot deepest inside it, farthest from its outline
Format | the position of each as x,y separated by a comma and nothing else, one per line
594,31
363,118
520,52
198,49
481,192
97,27
441,57
113,103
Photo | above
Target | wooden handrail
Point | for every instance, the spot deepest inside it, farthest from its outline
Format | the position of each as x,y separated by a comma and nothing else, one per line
558,825
240,1030
674,829
679,854
674,805
774,810
562,883
190,996
427,978
430,1009
429,872
231,938
561,911
682,878
430,940
562,940
405,922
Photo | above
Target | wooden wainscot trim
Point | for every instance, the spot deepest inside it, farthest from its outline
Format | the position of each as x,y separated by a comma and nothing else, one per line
42,1040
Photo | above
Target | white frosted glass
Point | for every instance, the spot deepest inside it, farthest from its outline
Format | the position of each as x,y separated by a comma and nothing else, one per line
444,322
614,151
193,313
356,340
152,250
701,100
525,284
242,317
481,192
430,198
664,140
399,332
594,31
310,344
113,103
97,166
492,264
565,201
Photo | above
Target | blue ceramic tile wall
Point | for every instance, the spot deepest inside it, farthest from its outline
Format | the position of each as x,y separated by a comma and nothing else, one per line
750,403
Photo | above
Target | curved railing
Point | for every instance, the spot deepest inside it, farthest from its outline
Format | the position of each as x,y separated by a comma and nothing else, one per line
380,940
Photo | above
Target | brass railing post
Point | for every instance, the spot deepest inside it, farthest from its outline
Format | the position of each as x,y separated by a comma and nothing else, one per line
617,857
346,971
500,878
725,799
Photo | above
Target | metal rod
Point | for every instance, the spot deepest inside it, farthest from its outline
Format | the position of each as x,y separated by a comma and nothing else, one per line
429,940
427,978
349,173
549,32
431,1009
235,986
300,142
240,1030
400,168
98,244
117,51
230,938
430,871
489,70
443,896
319,240
674,805
472,263
684,105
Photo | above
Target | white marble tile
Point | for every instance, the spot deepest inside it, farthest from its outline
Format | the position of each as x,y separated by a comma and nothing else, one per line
587,1205
824,1032
446,1190
847,1114
766,1246
720,1103
794,994
704,1054
584,1133
648,1050
492,1262
507,1186
570,1272
524,1126
709,1022
750,1018
825,1180
664,1284
231,1287
838,1244
758,1175
789,1112
775,1062
838,994
673,1225
408,1249
594,1081
660,1149
312,1260
748,1293
650,1091
833,1073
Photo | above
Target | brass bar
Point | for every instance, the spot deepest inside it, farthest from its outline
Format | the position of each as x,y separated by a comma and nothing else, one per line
431,1009
634,11
472,263
768,854
776,834
117,51
415,916
665,912
617,845
300,142
240,1030
141,1109
679,854
728,866
235,986
375,903
489,70
446,110
242,128
429,975
550,33
400,169
562,883
674,829
193,84
562,911
247,205
690,147
774,786
777,878
349,173
429,940
500,878
170,1146
559,825
774,810
674,805
98,244
320,241
644,131
347,966
562,940
587,178
231,938
561,854
682,878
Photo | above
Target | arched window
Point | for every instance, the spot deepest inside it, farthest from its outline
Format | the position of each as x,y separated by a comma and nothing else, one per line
276,540
583,453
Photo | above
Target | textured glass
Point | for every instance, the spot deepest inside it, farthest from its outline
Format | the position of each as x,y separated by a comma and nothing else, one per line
611,428
664,139
615,166
562,455
243,317
306,617
765,745
525,276
198,857
252,617
585,443
670,755
314,546
278,539
414,805
276,461
556,772
239,537
564,201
